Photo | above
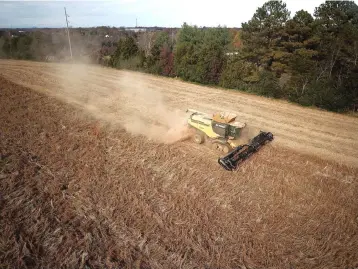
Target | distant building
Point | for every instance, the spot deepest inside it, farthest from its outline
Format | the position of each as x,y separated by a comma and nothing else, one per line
50,58
137,29
231,53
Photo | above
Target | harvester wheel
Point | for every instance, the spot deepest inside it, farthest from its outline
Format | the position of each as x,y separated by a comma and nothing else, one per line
215,146
199,138
221,147
225,149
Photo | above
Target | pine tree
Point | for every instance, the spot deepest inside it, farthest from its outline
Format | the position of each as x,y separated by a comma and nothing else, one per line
262,35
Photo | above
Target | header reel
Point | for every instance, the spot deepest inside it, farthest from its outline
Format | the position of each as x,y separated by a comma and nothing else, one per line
233,159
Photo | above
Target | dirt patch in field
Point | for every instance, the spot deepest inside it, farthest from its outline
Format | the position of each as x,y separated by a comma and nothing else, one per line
77,192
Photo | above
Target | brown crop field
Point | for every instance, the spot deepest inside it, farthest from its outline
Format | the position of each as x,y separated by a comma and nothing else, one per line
97,171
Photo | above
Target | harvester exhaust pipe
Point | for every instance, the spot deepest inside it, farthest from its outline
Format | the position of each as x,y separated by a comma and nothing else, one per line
232,160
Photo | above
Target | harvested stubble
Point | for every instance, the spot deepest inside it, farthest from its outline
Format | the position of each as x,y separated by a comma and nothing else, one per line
76,193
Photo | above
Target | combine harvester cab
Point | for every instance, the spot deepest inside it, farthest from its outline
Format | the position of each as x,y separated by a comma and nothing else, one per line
224,134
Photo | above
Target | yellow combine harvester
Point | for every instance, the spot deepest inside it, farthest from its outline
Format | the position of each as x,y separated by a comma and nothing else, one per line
221,129
223,133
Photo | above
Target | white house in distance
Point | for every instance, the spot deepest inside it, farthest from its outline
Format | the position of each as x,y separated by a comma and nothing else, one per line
136,29
231,53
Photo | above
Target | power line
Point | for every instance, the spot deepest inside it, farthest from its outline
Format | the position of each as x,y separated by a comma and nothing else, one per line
68,33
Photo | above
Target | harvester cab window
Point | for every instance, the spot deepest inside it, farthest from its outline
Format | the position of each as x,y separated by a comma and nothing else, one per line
232,131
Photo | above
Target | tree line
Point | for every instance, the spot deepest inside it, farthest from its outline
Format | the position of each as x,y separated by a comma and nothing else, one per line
310,60
42,44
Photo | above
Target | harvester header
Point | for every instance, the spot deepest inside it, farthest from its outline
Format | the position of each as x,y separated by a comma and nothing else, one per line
232,160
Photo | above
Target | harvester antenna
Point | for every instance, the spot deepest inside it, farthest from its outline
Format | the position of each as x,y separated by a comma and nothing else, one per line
68,33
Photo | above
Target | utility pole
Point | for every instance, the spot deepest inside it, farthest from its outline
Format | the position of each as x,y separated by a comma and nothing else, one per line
68,33
136,24
10,35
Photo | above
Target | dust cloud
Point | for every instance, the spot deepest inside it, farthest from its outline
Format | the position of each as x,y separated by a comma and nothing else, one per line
126,101
150,116
248,133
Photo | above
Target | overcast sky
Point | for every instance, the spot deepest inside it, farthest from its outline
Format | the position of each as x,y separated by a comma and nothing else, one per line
174,13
